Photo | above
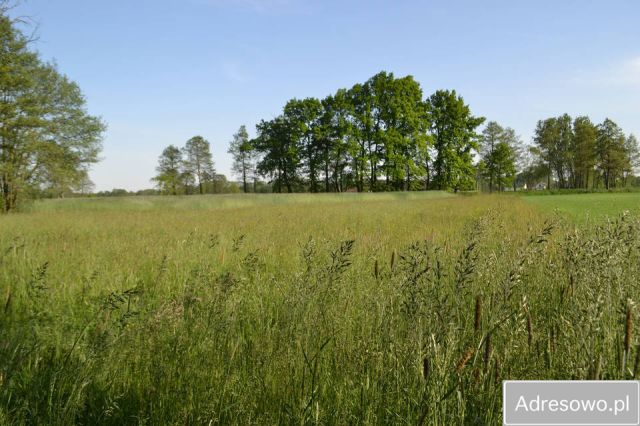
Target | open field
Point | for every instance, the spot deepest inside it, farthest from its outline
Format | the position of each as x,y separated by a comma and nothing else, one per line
224,201
374,308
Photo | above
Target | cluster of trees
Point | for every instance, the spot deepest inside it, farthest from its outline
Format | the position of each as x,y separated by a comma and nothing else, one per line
382,135
576,153
190,170
379,135
47,138
186,170
501,157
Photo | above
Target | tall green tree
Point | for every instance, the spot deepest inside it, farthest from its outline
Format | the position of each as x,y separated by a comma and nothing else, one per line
499,149
302,117
406,125
632,163
47,138
336,141
611,152
555,140
503,159
518,151
453,129
170,174
546,135
362,148
491,137
585,136
277,143
242,152
563,160
198,161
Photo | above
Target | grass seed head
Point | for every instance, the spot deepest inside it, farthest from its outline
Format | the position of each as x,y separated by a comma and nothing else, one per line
464,360
478,316
628,329
426,368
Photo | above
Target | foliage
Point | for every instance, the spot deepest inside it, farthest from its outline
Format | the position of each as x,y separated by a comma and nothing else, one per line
498,152
169,169
198,164
453,128
583,155
180,170
243,155
47,138
374,136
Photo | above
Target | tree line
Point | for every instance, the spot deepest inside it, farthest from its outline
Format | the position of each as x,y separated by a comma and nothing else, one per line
376,136
190,170
383,136
577,153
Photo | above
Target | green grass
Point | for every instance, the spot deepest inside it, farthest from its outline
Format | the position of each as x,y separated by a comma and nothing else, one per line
588,207
209,202
304,309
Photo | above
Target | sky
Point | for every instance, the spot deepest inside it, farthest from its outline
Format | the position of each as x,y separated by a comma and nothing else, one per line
161,71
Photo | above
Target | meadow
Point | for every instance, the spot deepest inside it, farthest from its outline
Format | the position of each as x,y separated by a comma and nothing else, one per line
394,308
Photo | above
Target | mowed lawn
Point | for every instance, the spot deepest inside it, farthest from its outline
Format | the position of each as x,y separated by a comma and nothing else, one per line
587,208
391,308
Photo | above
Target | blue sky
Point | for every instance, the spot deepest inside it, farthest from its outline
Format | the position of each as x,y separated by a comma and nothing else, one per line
161,71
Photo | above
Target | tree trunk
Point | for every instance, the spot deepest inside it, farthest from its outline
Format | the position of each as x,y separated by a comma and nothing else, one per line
326,170
8,196
244,176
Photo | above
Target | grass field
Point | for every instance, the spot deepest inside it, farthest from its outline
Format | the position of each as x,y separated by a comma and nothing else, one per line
327,309
209,202
588,207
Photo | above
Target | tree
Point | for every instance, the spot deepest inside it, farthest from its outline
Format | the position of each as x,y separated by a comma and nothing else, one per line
334,136
585,136
243,156
277,142
556,141
406,126
518,154
198,162
84,185
490,139
303,118
563,160
632,151
47,138
361,148
546,134
503,159
169,169
499,150
454,136
611,152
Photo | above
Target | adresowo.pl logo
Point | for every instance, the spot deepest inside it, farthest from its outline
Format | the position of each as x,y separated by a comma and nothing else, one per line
607,403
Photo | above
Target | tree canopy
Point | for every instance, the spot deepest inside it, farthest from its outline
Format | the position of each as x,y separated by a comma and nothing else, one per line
579,154
47,138
375,136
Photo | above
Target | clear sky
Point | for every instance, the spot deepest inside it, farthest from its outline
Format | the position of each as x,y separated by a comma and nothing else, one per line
161,71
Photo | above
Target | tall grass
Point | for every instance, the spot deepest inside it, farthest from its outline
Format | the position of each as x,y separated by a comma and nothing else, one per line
208,202
372,312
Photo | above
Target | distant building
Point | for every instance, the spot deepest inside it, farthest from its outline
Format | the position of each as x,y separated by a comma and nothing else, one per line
540,186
